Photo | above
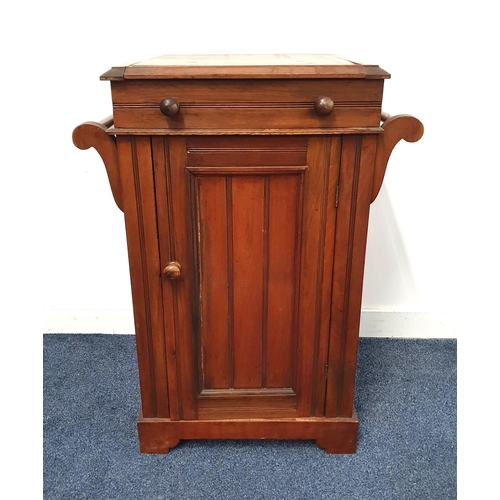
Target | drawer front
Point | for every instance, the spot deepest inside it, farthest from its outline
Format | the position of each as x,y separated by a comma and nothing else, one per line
246,105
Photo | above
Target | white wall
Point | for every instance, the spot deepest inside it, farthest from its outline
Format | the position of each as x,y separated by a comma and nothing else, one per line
423,228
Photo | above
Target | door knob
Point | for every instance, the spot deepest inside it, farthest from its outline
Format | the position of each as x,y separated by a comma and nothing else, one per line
172,271
323,106
169,106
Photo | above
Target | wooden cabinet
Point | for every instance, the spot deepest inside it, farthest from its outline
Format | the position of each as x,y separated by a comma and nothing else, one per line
246,183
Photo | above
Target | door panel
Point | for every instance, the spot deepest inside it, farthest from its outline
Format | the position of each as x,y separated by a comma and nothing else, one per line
256,217
247,259
285,207
247,280
214,356
356,173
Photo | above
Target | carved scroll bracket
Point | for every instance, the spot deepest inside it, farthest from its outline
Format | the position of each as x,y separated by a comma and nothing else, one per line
395,128
94,135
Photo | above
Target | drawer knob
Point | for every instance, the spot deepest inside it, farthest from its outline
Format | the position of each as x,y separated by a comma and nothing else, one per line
323,106
169,106
172,271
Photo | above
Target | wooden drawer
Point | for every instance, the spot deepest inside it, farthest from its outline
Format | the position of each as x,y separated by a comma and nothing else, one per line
246,105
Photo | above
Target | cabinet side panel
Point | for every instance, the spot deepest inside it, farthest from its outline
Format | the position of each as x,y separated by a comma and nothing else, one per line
163,188
356,175
322,342
136,172
182,288
363,200
313,228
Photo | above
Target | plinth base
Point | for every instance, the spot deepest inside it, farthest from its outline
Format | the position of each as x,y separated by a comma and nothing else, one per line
334,435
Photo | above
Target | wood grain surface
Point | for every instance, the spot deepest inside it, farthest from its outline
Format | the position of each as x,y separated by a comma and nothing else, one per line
246,213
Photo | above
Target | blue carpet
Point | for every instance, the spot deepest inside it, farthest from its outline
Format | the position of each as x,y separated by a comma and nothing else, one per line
406,404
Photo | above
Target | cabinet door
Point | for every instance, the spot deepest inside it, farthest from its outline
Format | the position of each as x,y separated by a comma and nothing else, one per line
251,222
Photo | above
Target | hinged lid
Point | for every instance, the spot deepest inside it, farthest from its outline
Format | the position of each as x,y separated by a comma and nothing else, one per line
245,66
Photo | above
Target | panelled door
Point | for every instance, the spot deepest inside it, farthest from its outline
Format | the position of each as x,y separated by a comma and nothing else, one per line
246,229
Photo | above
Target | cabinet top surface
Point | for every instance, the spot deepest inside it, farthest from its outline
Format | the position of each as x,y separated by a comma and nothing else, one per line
246,66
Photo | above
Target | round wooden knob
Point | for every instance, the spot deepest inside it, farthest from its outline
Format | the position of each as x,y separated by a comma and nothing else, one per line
172,271
323,106
169,106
